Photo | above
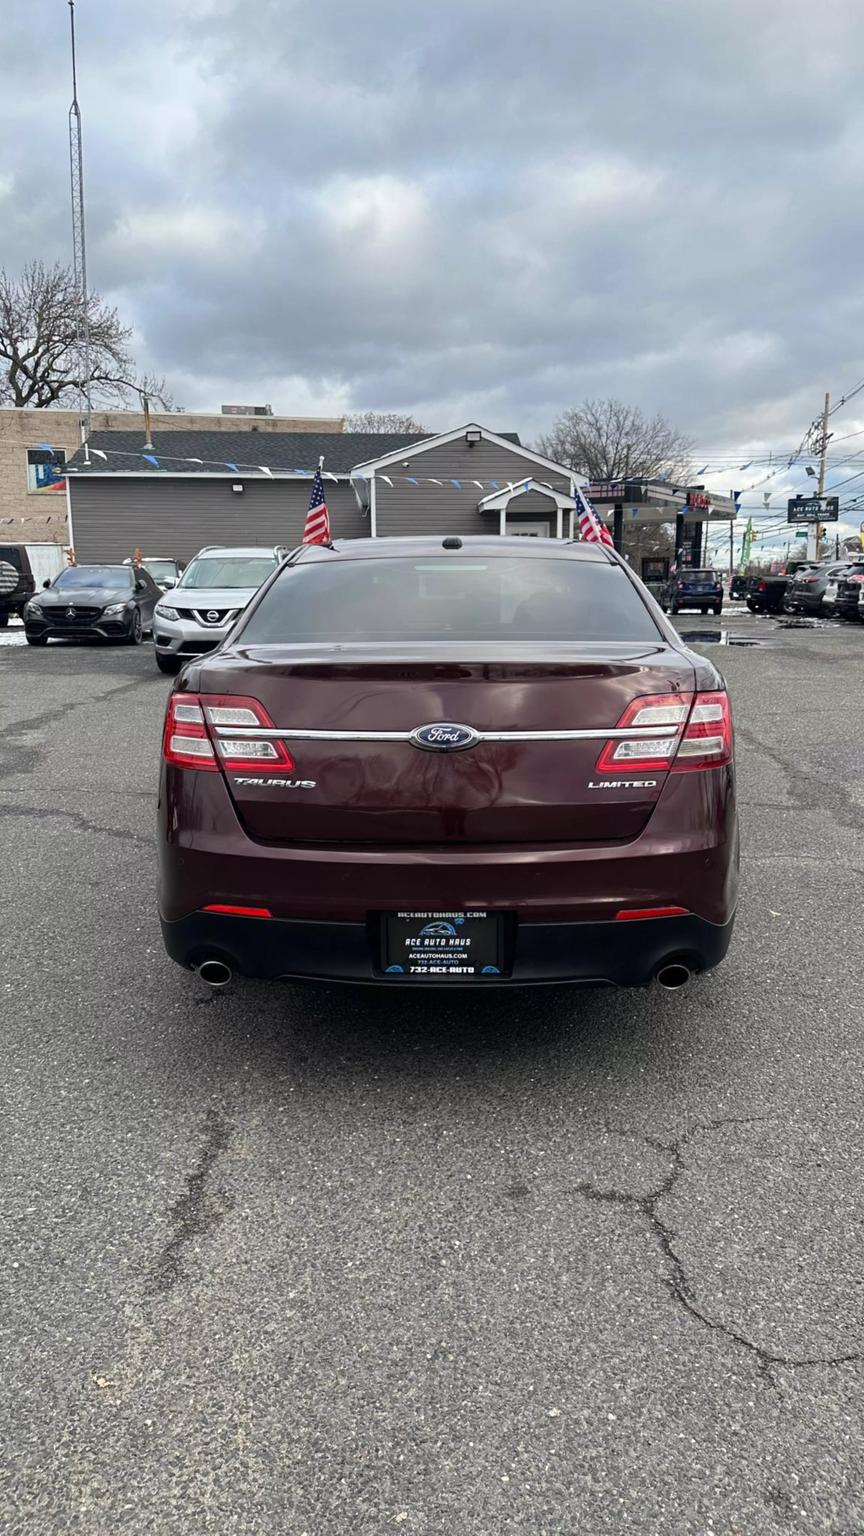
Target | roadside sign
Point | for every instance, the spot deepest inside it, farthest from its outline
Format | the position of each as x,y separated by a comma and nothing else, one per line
813,509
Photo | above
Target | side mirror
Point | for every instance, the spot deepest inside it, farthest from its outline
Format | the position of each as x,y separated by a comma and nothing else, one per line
46,585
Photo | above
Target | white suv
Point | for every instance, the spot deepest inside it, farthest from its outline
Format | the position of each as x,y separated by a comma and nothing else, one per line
197,614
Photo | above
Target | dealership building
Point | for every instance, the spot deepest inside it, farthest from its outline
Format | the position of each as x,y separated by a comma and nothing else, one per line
178,491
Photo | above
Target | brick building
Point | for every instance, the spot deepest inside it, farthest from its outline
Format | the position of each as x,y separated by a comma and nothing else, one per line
32,486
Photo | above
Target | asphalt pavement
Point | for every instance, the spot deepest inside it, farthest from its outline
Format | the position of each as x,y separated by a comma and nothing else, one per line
290,1261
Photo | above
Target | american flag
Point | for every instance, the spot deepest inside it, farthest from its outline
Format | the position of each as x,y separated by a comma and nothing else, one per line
317,530
590,526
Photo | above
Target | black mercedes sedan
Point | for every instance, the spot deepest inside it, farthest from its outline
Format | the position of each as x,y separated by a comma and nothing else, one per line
93,602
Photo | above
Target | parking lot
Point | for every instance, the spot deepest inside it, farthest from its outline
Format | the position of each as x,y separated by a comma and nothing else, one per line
315,1261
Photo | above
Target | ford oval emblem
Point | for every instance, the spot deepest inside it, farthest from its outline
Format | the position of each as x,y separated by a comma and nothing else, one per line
444,737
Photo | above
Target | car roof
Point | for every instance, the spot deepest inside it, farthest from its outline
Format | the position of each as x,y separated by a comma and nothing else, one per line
471,544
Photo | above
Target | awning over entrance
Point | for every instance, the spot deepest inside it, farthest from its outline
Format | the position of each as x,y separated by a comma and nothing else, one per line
658,501
498,504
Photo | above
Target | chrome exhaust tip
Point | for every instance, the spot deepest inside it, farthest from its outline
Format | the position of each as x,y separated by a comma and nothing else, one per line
215,973
671,977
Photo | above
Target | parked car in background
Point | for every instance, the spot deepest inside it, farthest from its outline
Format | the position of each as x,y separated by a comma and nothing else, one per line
700,588
845,603
471,761
165,572
738,587
805,591
23,567
93,602
766,591
207,601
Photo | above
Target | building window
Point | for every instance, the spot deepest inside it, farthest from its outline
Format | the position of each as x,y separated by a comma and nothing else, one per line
44,469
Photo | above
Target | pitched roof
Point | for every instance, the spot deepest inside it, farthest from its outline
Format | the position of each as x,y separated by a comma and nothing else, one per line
280,451
277,450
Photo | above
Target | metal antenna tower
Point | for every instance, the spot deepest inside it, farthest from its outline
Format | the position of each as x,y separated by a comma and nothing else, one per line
79,240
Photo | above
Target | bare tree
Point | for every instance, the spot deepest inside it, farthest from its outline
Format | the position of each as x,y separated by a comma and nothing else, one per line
382,421
40,359
608,440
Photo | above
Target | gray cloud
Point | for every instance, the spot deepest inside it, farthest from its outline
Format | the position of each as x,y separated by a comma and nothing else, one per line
469,208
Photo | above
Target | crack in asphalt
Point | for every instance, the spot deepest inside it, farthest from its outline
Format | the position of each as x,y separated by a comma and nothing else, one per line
28,752
848,811
81,823
198,1210
38,722
678,1281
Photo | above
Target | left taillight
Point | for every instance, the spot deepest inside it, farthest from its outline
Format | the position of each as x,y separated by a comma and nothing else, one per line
185,742
692,731
209,730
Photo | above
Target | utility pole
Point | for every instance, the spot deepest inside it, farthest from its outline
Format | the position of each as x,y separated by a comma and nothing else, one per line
813,540
79,242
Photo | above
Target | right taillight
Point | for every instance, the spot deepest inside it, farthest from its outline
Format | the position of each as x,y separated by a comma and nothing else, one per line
707,739
676,732
661,714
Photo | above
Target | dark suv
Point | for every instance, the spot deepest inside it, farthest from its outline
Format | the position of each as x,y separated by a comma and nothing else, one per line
806,590
701,589
17,583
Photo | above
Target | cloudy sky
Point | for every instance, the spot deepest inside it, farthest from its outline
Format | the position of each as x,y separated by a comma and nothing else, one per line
471,208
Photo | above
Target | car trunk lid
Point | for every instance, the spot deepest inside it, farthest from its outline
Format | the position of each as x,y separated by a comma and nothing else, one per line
358,777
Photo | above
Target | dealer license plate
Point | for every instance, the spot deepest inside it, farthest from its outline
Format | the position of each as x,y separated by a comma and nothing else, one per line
446,944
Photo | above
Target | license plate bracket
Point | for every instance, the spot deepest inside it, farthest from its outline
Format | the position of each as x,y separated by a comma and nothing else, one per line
447,946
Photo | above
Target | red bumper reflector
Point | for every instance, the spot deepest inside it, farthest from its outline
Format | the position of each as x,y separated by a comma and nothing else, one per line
634,914
241,911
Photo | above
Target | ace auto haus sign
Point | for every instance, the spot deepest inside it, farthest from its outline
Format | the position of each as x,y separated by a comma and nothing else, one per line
813,509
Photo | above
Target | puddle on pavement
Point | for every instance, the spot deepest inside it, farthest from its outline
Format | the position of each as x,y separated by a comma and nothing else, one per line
717,637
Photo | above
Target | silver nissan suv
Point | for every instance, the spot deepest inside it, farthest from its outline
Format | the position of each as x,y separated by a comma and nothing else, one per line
197,614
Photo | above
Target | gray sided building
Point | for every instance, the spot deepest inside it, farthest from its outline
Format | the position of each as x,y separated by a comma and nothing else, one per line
197,488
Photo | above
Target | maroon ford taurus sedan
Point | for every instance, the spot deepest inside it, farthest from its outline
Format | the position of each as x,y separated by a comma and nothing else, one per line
440,761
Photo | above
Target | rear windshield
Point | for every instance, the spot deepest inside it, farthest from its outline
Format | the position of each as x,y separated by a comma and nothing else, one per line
11,555
485,599
104,577
697,575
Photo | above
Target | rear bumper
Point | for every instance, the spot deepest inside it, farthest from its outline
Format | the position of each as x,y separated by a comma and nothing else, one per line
612,953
